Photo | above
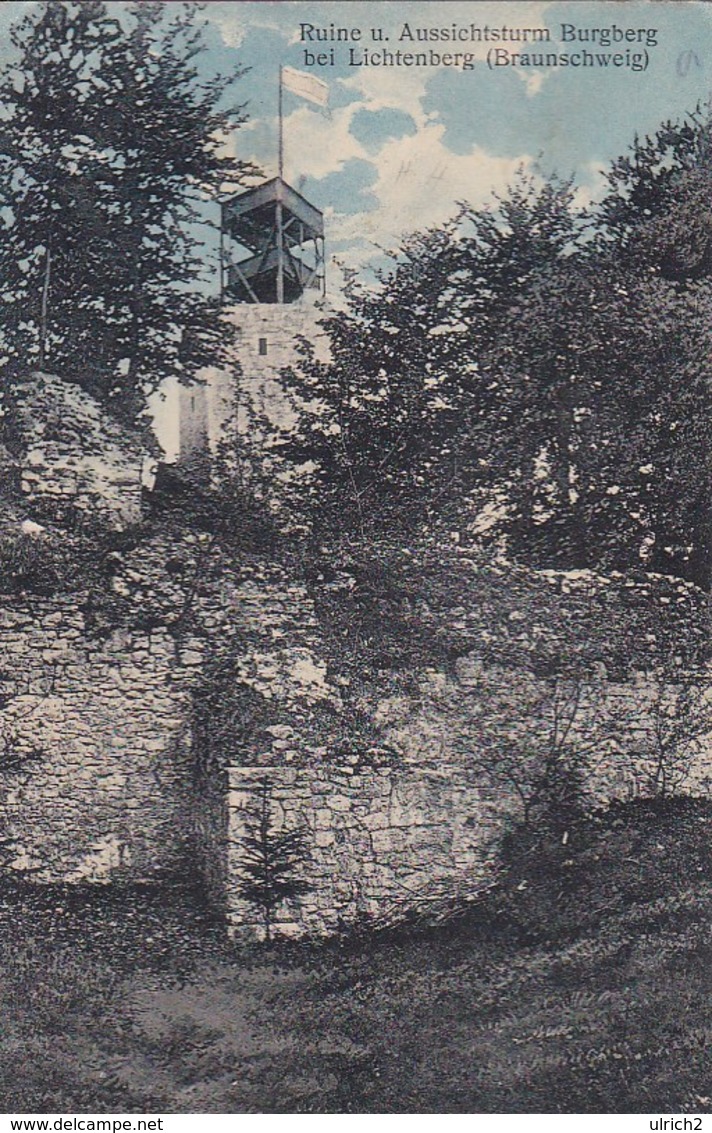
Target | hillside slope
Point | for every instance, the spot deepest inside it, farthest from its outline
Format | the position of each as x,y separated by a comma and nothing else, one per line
582,985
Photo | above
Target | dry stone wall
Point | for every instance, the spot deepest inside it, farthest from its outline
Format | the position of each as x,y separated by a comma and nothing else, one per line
100,779
377,841
99,782
382,841
95,746
73,455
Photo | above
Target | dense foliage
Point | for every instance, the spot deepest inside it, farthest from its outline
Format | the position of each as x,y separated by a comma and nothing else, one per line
110,138
531,372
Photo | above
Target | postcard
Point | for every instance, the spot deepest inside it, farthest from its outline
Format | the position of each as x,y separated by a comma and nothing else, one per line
355,560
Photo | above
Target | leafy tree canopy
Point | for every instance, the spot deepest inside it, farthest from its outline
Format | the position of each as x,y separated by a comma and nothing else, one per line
110,139
530,371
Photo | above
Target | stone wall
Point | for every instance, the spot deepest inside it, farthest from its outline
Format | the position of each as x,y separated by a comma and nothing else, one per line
377,840
73,455
380,840
100,779
96,778
247,396
616,728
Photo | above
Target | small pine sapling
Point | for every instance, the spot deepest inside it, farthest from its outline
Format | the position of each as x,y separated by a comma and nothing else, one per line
271,863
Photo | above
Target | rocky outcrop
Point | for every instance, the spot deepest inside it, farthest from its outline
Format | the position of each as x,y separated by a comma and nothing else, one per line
69,453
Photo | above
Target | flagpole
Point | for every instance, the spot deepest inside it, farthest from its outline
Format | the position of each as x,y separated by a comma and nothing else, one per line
280,116
44,302
279,235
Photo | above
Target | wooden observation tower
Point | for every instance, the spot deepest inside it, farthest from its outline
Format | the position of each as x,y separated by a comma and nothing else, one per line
271,256
272,245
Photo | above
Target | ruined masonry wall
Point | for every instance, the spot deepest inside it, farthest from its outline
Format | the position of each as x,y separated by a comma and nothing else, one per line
377,840
77,457
94,745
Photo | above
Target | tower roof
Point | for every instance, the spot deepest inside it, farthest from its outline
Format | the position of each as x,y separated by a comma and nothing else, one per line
282,235
248,215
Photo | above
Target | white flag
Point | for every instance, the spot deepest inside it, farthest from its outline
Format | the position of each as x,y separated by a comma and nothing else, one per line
307,86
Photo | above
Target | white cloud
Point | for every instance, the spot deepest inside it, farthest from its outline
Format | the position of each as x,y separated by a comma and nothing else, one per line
419,183
235,20
316,145
420,178
396,88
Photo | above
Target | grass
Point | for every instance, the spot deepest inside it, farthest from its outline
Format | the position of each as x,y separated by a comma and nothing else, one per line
582,985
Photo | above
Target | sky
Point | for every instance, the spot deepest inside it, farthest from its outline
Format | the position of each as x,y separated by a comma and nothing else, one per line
400,145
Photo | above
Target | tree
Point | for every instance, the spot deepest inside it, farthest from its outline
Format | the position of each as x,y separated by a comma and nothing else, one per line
607,463
404,424
45,98
270,864
508,368
112,139
656,213
654,225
